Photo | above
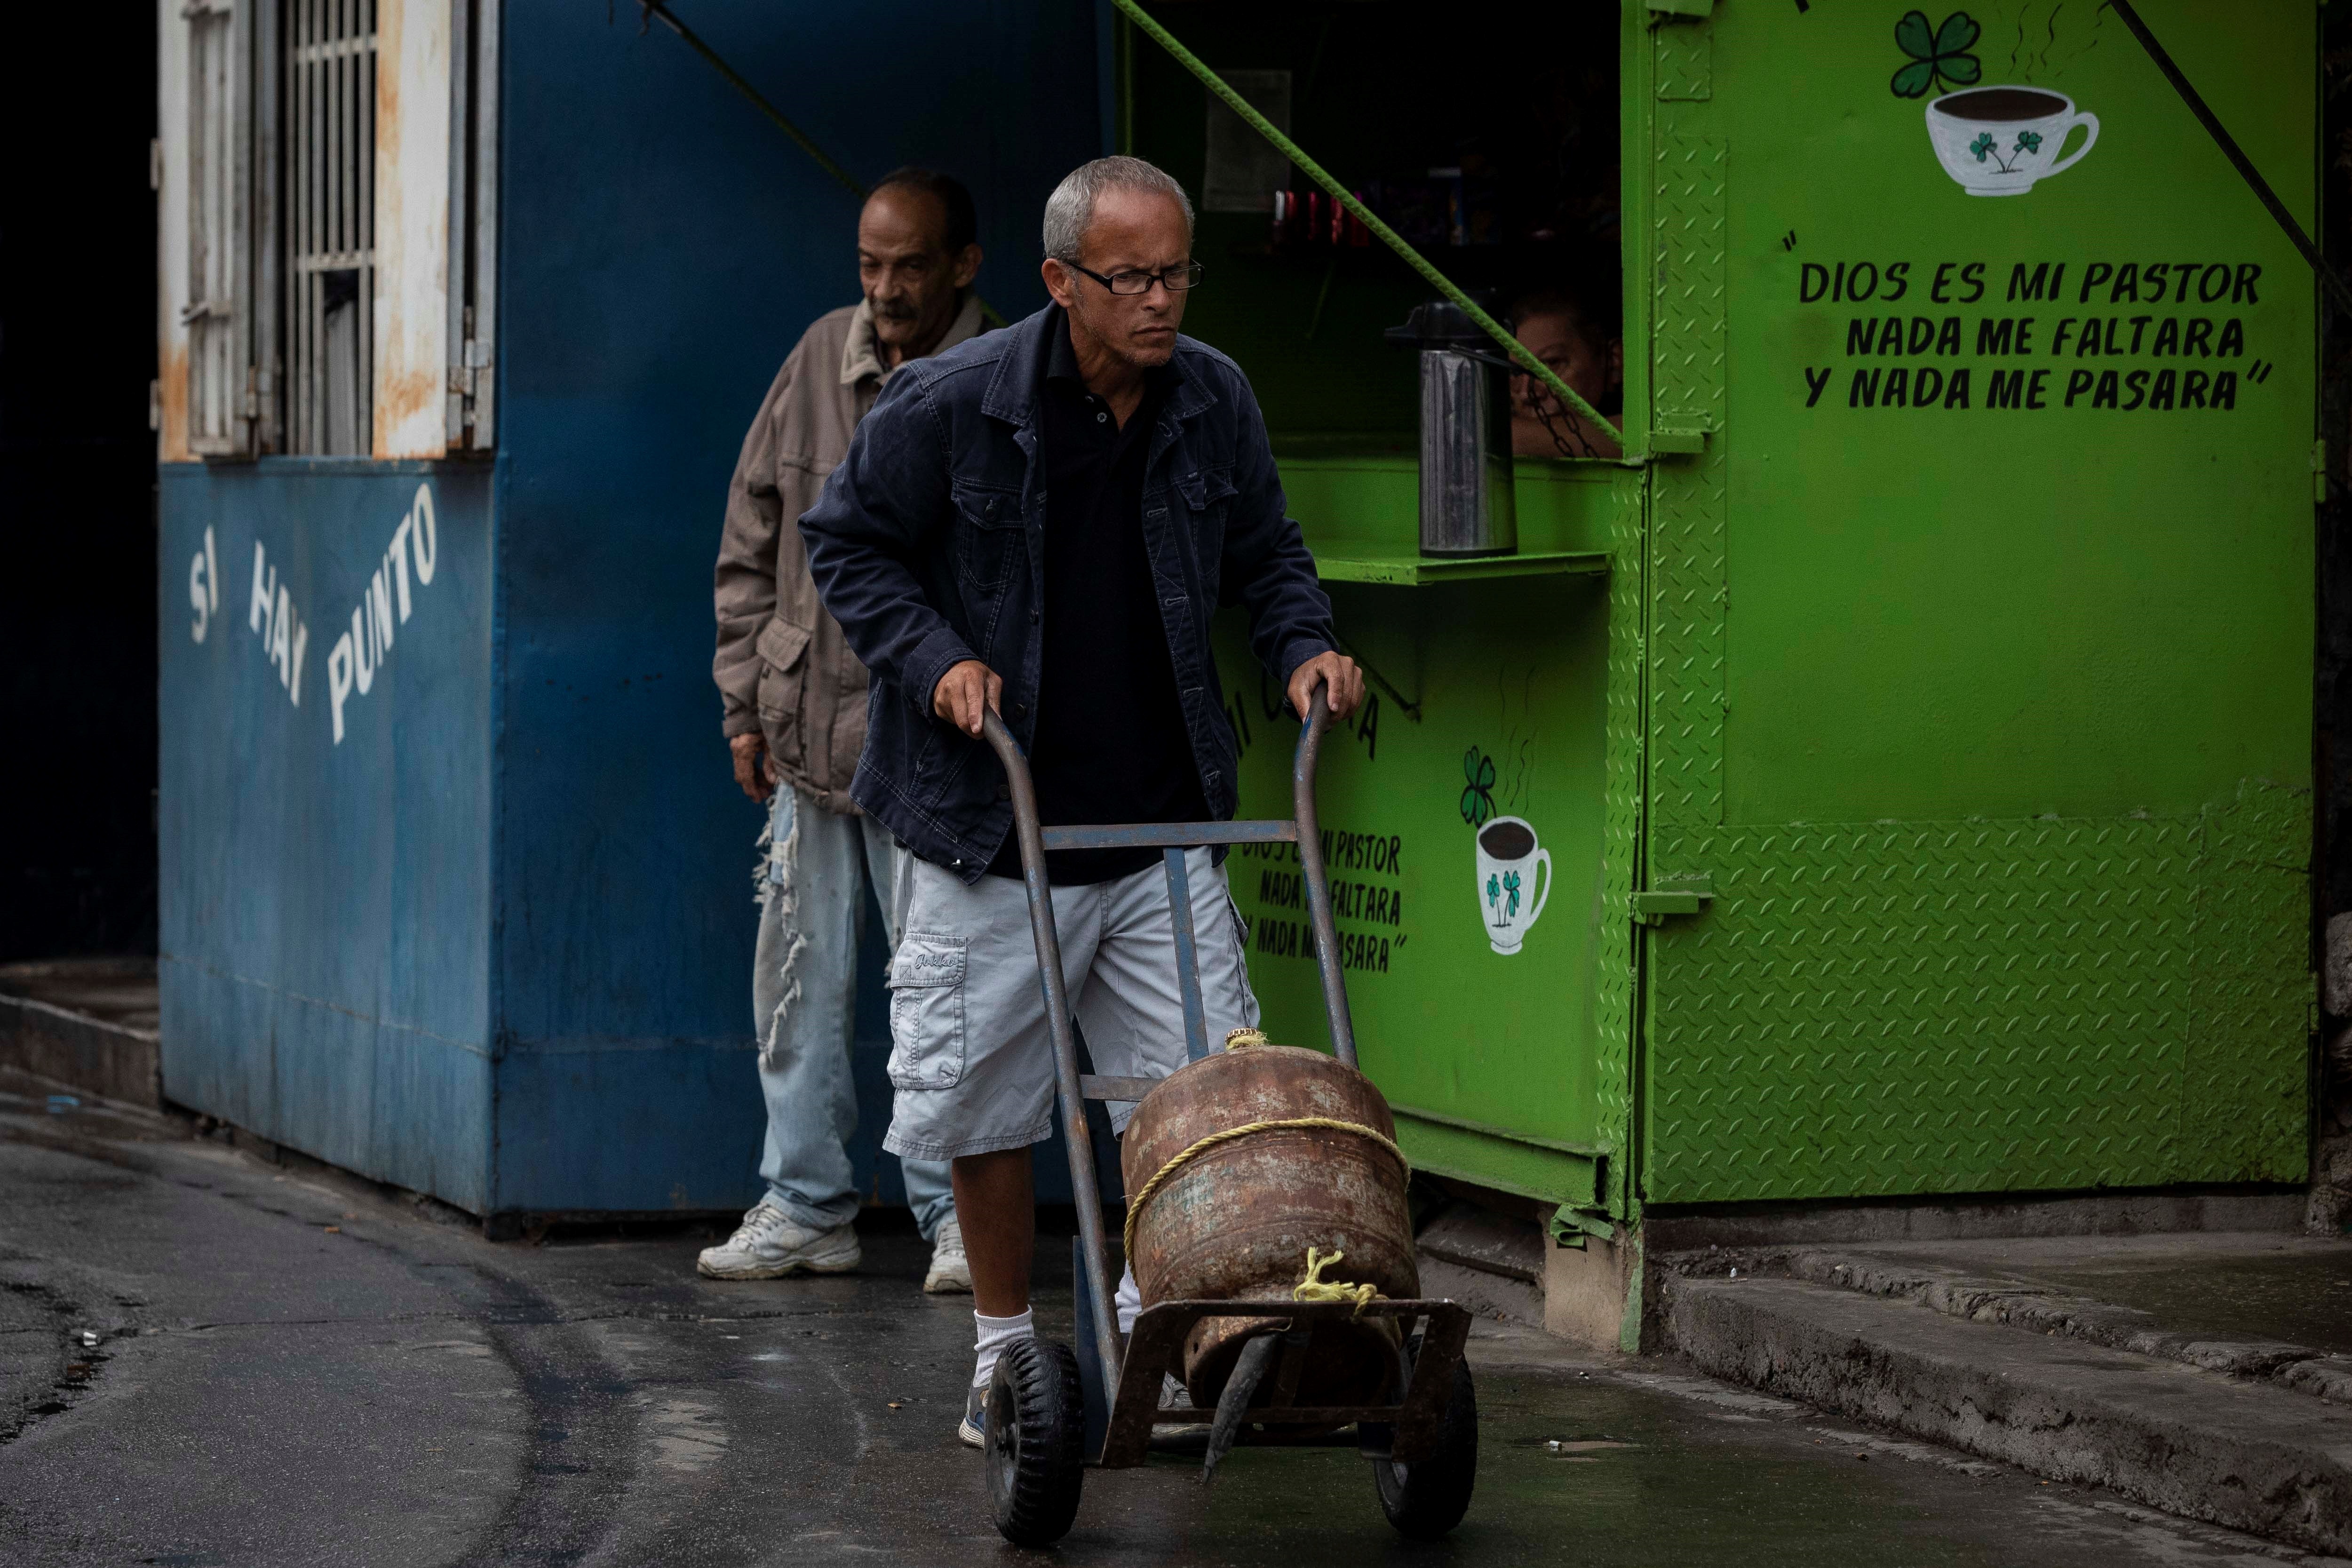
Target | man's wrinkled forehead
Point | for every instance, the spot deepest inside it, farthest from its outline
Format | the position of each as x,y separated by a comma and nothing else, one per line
1131,228
899,220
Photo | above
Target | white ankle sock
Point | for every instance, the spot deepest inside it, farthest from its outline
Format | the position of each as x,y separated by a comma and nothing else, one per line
1128,1300
995,1333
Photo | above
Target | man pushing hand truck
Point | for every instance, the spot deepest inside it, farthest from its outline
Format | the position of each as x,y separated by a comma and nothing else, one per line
1039,524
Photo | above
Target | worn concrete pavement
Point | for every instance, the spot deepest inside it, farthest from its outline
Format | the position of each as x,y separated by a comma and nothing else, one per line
294,1369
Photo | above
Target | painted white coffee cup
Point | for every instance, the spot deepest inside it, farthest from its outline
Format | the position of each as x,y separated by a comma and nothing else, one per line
1997,140
1508,899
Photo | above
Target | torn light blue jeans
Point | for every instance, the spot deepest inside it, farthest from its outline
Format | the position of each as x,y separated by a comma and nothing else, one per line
812,891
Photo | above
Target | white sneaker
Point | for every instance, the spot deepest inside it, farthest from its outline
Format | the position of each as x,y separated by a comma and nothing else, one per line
949,1274
1169,1437
973,1432
769,1246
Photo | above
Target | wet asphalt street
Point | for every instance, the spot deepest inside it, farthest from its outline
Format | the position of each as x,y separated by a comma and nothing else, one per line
292,1370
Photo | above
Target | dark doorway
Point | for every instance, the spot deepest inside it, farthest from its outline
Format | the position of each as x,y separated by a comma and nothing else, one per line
78,505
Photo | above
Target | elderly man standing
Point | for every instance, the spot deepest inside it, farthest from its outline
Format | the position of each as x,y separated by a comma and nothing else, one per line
795,699
1041,522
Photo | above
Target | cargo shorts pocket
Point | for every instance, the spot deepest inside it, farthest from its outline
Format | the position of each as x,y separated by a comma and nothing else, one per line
926,1039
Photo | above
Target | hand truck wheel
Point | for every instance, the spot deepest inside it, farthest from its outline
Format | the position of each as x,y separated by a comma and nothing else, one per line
1428,1496
1035,1453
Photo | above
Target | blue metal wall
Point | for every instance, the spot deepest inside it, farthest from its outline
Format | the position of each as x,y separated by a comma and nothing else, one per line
326,904
665,248
497,943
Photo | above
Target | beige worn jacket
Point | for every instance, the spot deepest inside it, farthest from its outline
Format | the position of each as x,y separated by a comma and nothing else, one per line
782,667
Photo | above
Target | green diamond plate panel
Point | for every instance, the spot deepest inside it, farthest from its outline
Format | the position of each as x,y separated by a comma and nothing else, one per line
2246,1072
1979,1007
1685,584
1690,323
1685,581
1685,55
1620,846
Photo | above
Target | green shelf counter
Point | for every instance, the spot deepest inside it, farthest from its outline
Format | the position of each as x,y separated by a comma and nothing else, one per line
1366,561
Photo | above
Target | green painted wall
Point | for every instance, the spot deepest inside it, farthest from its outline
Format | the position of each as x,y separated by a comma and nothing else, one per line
1496,1061
1989,725
2078,610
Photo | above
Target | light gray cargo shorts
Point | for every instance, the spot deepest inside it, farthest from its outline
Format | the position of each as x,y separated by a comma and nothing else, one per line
970,1055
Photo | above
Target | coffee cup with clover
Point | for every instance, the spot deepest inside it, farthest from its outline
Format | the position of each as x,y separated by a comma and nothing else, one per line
1995,141
1511,894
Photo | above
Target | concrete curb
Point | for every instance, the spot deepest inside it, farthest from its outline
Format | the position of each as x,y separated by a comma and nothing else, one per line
1954,1293
2250,1456
1488,1295
1491,1263
112,1060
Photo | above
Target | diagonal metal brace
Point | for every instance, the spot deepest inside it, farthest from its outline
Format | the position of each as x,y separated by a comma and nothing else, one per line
2235,154
1521,356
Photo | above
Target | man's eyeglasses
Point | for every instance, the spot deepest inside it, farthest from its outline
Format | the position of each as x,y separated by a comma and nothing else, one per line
1175,279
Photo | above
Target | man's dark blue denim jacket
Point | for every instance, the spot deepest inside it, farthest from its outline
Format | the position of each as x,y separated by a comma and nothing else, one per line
928,547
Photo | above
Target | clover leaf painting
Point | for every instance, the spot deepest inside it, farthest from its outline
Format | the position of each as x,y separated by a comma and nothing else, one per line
1985,146
1993,140
1938,54
1478,794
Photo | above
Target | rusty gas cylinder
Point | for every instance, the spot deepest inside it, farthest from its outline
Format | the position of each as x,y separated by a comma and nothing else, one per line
1234,1221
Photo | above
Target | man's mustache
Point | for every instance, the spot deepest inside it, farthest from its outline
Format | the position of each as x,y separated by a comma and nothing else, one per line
894,310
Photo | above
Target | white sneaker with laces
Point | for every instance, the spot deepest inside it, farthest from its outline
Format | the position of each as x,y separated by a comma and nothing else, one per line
769,1246
950,1273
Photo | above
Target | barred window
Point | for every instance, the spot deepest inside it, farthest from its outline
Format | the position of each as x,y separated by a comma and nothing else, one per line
329,229
287,307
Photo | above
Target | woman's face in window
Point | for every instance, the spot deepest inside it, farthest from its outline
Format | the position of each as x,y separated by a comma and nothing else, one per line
1592,373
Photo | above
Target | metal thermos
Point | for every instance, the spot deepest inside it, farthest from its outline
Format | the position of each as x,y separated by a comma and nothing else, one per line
1467,506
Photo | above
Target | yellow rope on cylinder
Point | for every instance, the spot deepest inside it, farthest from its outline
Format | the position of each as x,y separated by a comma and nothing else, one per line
1315,1288
1193,1151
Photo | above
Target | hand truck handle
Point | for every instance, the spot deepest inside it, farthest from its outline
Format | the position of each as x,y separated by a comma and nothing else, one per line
1318,886
1094,1246
1031,838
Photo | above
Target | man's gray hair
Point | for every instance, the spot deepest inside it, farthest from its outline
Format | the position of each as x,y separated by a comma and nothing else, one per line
1071,207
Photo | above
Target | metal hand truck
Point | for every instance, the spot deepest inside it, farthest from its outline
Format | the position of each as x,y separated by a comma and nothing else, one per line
1052,1409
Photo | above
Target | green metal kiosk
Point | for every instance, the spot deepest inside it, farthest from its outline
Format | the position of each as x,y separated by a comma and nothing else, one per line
1891,777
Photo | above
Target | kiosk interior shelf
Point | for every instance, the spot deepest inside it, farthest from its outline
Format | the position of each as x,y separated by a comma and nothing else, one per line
1404,566
1359,514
